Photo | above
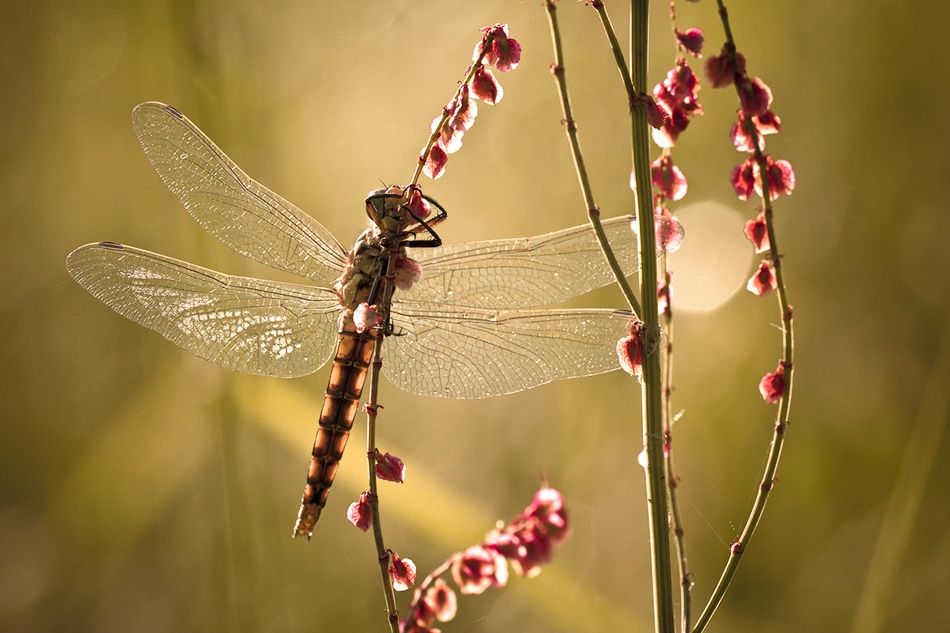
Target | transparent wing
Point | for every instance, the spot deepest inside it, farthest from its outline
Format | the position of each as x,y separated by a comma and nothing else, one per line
531,271
226,202
243,324
458,352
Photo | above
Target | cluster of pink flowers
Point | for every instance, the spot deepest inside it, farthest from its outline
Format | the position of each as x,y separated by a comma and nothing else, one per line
495,49
759,173
527,542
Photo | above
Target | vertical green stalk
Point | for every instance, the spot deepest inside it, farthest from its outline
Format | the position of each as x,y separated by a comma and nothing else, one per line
382,552
652,403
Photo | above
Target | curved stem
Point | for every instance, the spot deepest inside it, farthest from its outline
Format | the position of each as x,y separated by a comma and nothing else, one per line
593,213
788,346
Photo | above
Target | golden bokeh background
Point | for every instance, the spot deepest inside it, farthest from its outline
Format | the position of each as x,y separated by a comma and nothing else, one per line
144,490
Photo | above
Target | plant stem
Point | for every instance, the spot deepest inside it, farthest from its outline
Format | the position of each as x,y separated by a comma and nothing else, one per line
652,402
570,126
788,346
676,520
381,552
437,130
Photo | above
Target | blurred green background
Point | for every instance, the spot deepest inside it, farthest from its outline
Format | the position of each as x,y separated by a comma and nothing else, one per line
144,490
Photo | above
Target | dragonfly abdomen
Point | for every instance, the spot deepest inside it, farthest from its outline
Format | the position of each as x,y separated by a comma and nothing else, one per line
350,365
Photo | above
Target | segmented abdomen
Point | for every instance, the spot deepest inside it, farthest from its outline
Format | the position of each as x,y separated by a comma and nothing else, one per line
353,356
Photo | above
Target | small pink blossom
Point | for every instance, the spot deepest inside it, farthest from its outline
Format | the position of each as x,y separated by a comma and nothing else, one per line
763,281
755,96
668,179
781,178
407,272
768,123
419,206
435,162
675,124
403,572
549,508
505,52
772,385
757,232
449,139
692,40
743,178
462,111
526,546
719,70
477,568
484,86
669,234
630,350
366,316
389,467
442,600
360,513
656,115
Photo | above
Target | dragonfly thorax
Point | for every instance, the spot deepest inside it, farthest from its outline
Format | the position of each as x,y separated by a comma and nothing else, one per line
365,268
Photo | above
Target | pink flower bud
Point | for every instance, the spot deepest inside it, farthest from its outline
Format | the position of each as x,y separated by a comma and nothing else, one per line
441,599
630,350
504,54
484,86
477,568
403,572
366,316
757,232
772,385
668,179
390,468
763,281
407,272
692,40
435,162
360,513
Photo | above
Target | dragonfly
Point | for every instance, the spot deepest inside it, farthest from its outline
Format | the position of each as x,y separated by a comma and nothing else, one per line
473,326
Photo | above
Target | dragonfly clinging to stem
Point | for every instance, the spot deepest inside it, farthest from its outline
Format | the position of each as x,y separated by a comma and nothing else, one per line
471,327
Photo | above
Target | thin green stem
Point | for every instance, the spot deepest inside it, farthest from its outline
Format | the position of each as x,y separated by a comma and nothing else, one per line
570,126
652,401
634,81
788,346
676,519
382,553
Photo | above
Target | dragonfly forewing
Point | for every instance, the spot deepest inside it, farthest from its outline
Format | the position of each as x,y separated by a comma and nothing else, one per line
243,324
226,202
460,352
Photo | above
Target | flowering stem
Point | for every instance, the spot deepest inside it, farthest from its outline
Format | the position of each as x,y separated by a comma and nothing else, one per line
782,420
593,213
381,552
437,130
